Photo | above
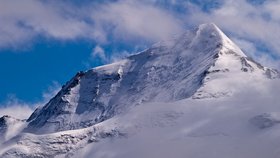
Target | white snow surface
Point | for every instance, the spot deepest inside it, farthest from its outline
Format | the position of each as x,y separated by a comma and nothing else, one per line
197,95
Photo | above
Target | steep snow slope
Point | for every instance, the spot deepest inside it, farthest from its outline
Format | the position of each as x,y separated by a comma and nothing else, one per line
176,99
169,71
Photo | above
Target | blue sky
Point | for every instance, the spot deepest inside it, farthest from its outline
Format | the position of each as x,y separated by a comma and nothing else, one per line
26,73
44,43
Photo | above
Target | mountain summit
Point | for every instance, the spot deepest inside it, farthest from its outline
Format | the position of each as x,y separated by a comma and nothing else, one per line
170,70
180,96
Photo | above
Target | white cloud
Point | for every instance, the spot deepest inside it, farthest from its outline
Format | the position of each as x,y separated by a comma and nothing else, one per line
21,21
22,110
120,55
51,91
100,53
272,8
136,19
14,107
17,111
250,50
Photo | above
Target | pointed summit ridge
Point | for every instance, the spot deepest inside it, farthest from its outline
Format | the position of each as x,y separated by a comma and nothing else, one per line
226,43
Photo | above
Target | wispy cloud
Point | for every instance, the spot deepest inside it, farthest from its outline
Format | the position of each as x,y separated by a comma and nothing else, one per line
22,110
16,108
98,52
251,50
22,21
137,19
51,91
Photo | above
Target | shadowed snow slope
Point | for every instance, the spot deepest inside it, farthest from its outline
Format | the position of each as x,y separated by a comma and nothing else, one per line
178,97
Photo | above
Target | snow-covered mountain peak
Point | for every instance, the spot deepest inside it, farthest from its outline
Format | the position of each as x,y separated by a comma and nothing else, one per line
212,30
186,91
204,38
189,65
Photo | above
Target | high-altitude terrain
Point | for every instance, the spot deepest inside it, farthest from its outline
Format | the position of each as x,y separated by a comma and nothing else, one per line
196,95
